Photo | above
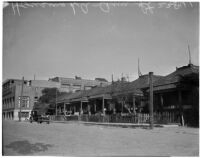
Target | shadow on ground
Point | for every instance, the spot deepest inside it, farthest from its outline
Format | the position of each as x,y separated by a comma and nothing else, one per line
26,148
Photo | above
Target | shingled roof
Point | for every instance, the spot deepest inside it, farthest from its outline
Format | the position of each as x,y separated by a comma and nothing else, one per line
68,97
143,81
176,76
114,89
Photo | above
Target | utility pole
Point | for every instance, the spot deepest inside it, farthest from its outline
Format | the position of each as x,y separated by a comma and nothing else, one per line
21,99
151,99
56,103
112,79
190,62
139,72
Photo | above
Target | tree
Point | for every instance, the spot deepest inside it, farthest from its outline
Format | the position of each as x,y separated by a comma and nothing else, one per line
48,99
49,95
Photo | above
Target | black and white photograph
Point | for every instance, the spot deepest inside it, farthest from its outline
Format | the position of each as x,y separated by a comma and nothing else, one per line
100,78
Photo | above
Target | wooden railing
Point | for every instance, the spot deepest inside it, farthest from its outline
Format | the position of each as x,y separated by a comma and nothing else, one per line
160,118
167,117
139,118
64,118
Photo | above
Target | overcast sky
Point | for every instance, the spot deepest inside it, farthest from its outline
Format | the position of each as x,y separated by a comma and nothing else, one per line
97,42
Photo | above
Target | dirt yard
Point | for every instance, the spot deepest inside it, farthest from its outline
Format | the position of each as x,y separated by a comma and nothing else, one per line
75,139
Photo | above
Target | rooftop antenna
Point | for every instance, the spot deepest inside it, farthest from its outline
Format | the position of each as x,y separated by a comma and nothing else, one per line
127,76
189,55
112,78
139,72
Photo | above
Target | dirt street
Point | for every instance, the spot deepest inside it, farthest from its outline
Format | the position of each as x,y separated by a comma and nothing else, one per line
75,139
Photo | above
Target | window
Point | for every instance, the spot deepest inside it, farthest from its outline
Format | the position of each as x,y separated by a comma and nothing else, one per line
13,101
35,99
7,102
65,86
25,102
77,87
24,114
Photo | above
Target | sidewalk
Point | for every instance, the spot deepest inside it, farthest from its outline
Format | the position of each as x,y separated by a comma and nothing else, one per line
123,125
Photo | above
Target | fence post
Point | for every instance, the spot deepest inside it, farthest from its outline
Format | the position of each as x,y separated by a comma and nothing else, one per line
138,118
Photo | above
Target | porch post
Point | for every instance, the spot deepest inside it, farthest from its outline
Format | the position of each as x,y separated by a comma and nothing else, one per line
89,112
64,107
180,107
114,109
103,106
81,108
161,101
134,104
180,99
60,109
122,105
95,107
74,108
56,110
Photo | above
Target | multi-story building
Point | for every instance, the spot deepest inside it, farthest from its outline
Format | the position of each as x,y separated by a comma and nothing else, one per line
11,99
77,84
32,90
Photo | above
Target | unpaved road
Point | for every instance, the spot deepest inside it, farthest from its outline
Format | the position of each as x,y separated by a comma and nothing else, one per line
74,139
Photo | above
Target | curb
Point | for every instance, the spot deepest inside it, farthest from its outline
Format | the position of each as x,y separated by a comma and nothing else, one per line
125,125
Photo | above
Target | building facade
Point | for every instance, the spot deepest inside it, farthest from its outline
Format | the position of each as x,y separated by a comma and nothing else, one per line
12,98
77,84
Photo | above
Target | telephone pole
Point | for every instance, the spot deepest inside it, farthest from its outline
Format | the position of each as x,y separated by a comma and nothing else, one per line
21,99
139,72
190,62
56,103
151,98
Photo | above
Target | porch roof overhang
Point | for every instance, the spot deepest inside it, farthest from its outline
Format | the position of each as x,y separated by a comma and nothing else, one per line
133,92
105,96
164,87
75,100
60,101
84,99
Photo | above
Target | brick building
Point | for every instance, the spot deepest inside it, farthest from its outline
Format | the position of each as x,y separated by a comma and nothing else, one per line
32,90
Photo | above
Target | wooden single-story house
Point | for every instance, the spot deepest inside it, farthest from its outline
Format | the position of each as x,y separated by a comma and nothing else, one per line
179,92
176,92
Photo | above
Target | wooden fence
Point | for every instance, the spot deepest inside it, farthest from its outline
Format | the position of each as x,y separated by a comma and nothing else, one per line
64,118
167,117
160,118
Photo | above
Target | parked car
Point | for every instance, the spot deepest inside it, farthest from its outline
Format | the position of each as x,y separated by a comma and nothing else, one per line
35,116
